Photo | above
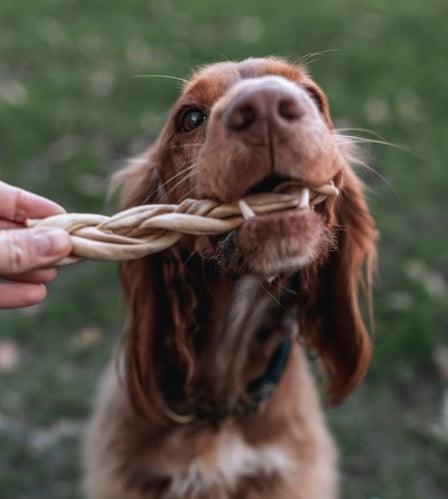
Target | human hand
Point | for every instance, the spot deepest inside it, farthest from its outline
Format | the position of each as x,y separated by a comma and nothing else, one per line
27,255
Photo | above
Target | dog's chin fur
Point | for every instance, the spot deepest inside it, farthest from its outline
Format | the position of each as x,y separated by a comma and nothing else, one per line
274,244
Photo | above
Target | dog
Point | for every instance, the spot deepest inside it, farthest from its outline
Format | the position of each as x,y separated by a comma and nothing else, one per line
211,394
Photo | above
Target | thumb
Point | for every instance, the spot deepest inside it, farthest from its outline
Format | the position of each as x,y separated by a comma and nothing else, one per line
26,249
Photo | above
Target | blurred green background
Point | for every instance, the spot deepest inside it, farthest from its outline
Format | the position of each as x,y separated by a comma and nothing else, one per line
71,112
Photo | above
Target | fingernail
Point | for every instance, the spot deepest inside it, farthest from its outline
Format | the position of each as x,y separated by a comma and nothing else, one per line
50,241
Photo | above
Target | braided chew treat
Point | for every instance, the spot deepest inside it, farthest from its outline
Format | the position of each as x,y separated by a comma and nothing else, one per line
146,229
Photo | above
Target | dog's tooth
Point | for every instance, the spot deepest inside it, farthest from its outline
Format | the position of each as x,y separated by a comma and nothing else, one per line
328,189
304,198
246,210
319,198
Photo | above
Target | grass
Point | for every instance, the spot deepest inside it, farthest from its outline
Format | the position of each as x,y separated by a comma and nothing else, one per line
71,112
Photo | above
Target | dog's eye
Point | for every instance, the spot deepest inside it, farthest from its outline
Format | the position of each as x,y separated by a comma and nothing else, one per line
191,119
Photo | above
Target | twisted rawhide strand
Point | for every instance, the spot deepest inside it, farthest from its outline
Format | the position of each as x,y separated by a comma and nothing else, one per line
146,229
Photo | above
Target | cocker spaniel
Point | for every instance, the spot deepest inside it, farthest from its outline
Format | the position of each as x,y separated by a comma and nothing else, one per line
211,395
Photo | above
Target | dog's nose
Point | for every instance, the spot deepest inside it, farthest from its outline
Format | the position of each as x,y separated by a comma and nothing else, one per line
260,109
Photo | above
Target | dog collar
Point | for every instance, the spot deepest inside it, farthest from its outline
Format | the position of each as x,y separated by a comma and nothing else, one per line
259,390
262,387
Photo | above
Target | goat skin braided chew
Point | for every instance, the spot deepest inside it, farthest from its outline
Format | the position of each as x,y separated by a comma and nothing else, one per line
146,229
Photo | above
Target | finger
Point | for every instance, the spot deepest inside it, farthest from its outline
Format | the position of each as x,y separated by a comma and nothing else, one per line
17,204
14,295
7,224
23,250
40,276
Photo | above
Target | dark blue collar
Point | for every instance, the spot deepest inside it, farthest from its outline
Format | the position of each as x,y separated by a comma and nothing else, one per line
261,388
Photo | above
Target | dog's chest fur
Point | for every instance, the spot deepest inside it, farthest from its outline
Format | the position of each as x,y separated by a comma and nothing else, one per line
230,461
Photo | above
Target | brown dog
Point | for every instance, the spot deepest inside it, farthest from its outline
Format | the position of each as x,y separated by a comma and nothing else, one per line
211,396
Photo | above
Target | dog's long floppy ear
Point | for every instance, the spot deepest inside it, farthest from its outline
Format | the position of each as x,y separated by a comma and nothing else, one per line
338,332
160,301
138,183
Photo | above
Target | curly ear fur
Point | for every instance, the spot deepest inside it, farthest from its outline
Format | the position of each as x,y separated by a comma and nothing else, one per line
139,278
160,300
332,319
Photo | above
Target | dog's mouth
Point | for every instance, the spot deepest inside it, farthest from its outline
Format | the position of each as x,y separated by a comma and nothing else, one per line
267,184
308,196
280,241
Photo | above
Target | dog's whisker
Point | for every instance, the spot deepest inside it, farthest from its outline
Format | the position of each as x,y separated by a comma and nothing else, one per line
168,77
356,129
266,290
359,162
189,257
177,175
163,184
283,287
187,177
313,56
365,140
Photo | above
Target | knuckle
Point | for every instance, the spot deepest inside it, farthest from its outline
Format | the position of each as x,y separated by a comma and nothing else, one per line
18,253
